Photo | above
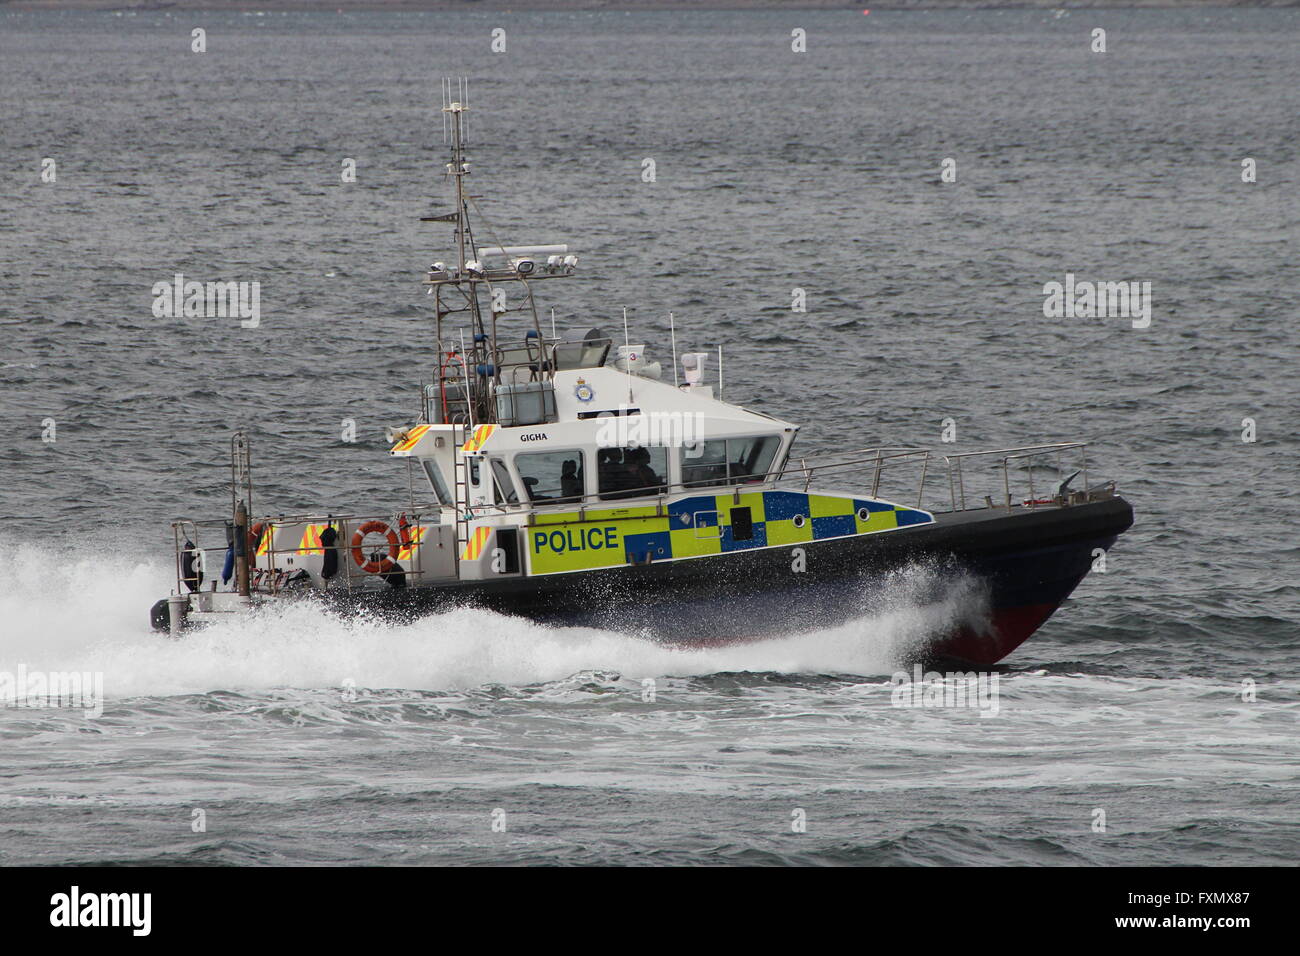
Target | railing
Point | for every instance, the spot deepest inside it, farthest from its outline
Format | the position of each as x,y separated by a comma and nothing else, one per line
877,458
1027,453
269,576
874,461
537,358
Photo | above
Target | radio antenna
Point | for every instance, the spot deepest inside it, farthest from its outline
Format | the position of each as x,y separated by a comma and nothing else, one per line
627,356
672,330
464,102
446,102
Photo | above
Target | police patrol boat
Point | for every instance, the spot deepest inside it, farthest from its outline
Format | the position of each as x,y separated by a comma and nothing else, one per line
569,489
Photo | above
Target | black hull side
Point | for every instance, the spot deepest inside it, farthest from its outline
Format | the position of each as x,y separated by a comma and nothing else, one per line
1025,562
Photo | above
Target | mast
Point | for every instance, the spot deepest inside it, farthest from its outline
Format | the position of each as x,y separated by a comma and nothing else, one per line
464,387
459,169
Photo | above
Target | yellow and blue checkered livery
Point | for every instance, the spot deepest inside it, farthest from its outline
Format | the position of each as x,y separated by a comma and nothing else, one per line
703,525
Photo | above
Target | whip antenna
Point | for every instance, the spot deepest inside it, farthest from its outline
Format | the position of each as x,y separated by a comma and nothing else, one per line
672,330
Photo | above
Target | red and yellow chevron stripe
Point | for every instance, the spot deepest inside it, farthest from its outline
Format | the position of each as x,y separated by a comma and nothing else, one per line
411,440
478,540
414,533
310,543
476,441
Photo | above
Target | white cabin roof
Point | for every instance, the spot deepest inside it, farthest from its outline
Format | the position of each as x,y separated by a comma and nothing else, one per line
591,399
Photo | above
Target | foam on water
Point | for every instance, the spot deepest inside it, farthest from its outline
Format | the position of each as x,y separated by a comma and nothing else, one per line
66,610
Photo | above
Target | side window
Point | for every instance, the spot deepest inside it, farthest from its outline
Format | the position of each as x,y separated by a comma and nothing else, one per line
632,472
505,484
728,461
551,477
750,459
435,479
704,464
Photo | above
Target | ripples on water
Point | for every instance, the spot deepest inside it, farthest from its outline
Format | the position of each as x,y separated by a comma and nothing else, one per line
774,170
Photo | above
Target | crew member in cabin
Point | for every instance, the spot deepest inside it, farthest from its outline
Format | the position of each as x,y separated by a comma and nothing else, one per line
610,476
571,481
641,476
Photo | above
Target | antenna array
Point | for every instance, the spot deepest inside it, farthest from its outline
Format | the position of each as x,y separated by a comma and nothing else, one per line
460,96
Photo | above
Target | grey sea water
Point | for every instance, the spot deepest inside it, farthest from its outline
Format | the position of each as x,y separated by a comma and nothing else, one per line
308,740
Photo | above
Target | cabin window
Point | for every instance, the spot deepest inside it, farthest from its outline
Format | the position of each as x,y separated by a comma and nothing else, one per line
505,484
552,477
632,472
728,461
435,480
704,463
750,459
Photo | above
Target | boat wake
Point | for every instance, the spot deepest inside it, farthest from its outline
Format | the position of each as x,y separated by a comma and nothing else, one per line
86,616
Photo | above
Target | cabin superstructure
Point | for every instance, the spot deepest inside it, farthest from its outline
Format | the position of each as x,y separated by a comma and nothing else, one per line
615,451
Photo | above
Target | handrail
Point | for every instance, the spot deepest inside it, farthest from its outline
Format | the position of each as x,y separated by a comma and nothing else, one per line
1035,449
879,459
957,488
265,560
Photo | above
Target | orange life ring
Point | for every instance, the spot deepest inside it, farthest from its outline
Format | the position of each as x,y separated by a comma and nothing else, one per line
359,537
